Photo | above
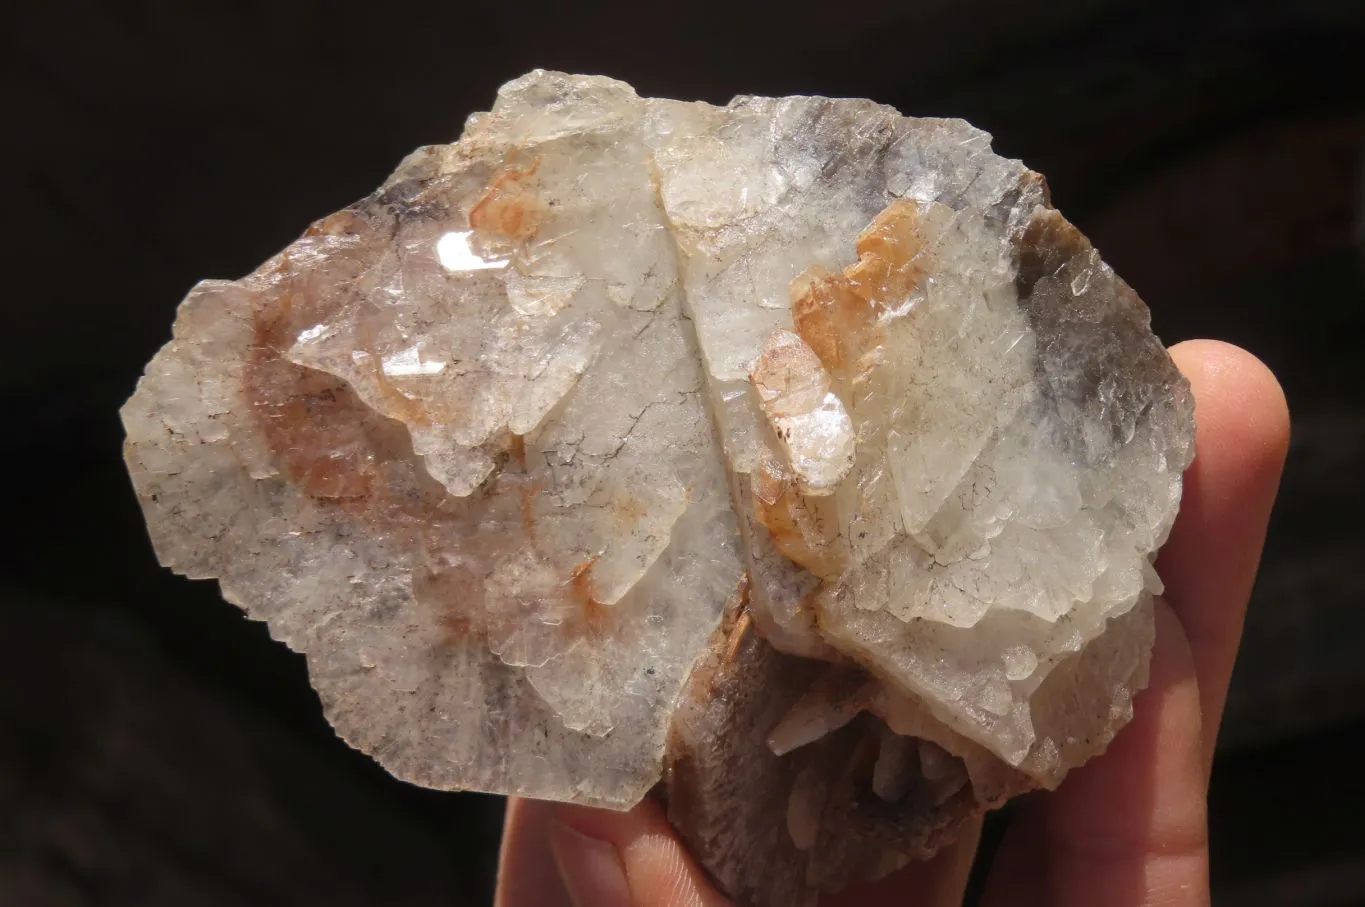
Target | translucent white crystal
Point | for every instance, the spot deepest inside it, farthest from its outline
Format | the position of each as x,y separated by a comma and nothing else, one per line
494,446
809,420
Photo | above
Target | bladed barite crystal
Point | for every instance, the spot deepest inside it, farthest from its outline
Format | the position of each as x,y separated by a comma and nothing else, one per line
495,447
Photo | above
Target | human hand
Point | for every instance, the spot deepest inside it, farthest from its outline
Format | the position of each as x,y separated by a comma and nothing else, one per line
1128,828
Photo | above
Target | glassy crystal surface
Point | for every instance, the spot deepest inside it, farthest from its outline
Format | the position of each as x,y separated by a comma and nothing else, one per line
794,452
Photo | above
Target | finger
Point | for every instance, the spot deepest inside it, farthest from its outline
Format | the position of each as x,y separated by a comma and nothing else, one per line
1130,827
938,882
631,859
1209,564
527,876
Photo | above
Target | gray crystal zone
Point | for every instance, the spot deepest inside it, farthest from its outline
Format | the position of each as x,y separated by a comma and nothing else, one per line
458,444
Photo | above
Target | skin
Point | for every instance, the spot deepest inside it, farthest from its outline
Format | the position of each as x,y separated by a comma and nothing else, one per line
1129,828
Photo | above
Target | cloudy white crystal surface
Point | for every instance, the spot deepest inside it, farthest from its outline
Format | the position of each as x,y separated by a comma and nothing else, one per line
494,446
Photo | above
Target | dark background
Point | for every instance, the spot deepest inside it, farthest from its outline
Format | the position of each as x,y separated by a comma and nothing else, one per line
156,748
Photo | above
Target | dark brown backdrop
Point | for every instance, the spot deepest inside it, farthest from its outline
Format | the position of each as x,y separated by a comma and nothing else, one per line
157,749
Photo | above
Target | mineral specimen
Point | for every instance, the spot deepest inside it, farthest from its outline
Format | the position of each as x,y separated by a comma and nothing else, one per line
495,447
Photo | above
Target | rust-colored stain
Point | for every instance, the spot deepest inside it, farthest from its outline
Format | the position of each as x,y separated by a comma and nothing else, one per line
739,599
797,529
349,457
341,223
735,606
329,444
809,607
303,417
527,492
889,264
455,628
516,449
627,511
726,644
737,634
828,315
396,403
509,207
592,615
1047,244
459,593
836,313
780,368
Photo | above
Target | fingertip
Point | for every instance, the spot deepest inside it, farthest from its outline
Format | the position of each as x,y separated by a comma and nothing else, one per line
591,867
527,876
1240,407
1148,779
627,859
1130,826
1241,440
1210,561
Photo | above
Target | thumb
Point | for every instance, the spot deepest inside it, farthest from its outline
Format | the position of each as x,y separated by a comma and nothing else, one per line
612,859
632,859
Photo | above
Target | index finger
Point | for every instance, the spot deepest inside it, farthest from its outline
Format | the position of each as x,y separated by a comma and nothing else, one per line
1209,564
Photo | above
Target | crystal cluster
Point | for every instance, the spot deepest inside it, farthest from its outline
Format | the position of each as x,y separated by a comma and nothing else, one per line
794,452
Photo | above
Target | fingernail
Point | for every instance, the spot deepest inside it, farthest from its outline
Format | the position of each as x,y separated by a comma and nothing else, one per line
590,867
